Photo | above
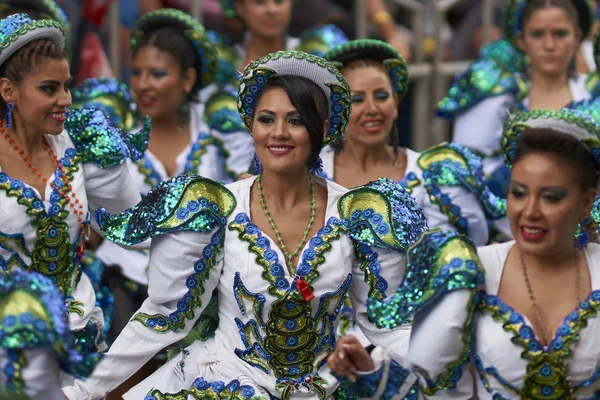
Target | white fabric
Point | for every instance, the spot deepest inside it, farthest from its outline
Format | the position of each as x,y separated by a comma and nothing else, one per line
172,260
134,263
587,49
480,127
111,188
436,337
41,375
469,204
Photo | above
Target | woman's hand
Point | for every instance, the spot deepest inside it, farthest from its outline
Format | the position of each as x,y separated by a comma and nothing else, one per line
348,357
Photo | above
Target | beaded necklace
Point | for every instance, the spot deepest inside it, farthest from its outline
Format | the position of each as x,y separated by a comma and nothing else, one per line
73,201
313,212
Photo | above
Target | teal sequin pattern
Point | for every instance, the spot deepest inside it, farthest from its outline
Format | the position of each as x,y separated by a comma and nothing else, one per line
184,202
99,142
440,262
383,214
43,322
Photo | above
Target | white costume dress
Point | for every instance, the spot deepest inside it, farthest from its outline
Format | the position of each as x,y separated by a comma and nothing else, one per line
479,347
42,234
271,340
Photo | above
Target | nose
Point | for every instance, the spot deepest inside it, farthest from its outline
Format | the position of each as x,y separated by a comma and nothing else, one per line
549,41
142,81
65,100
280,130
371,106
272,6
532,208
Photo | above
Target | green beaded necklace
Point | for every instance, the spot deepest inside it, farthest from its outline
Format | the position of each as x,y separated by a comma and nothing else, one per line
313,213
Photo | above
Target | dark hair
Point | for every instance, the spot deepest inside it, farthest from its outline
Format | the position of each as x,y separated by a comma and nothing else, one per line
172,41
534,5
566,147
310,102
27,58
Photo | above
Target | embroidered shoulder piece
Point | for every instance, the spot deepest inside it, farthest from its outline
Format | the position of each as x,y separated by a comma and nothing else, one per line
450,164
33,315
492,74
440,262
185,202
101,143
221,113
382,214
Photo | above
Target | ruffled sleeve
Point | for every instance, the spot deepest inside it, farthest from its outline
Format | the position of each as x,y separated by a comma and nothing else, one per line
457,191
226,127
35,333
383,221
186,218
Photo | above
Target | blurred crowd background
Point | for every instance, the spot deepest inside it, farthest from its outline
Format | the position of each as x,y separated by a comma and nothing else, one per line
436,37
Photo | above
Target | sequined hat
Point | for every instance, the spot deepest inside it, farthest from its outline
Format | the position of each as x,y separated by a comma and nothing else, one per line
577,123
17,30
206,55
513,9
370,49
110,96
44,9
319,40
228,9
297,63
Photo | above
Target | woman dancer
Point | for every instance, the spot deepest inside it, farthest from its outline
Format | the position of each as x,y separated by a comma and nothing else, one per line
445,180
549,34
278,302
53,166
529,328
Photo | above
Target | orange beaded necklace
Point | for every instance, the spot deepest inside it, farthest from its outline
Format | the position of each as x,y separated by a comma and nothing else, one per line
72,200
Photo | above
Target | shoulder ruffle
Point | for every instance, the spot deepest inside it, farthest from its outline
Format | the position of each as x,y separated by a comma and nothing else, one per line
450,164
321,39
185,202
101,143
382,214
440,262
221,113
494,73
33,315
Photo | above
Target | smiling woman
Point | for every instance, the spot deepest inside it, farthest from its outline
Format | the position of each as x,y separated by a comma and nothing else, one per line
531,68
53,166
529,329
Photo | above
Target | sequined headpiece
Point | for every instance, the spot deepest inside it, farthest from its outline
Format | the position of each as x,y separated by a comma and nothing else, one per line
513,10
44,9
110,96
321,39
370,49
17,30
228,9
206,55
575,122
297,63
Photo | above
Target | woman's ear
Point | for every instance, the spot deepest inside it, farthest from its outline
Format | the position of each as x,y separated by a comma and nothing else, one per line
588,201
325,128
7,90
189,78
239,8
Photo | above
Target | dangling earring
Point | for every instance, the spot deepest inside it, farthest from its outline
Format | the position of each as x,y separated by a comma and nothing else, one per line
582,235
9,107
256,166
184,108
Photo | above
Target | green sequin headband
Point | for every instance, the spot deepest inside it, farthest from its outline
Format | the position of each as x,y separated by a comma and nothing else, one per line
297,63
19,29
229,10
370,49
574,122
513,9
206,55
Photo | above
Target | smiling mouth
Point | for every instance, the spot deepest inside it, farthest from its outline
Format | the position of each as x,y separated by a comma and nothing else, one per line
280,150
58,116
372,125
532,233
